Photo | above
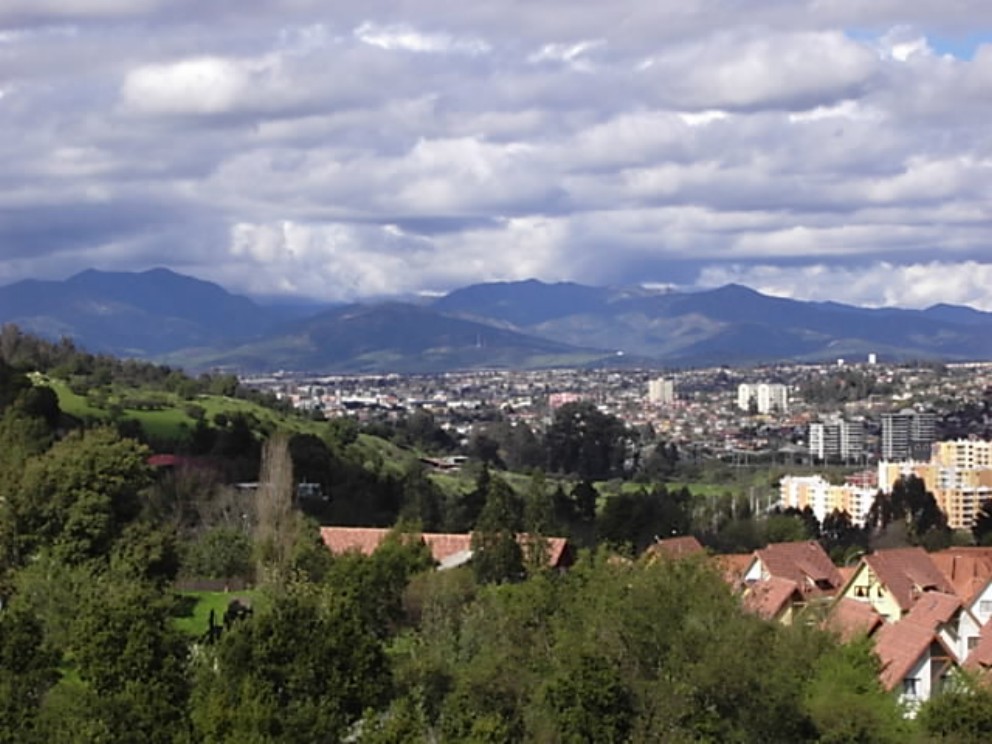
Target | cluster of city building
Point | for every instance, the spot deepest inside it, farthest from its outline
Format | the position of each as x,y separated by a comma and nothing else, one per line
747,417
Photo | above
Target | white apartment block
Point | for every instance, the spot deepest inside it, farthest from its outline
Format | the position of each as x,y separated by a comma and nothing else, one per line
767,396
661,391
823,498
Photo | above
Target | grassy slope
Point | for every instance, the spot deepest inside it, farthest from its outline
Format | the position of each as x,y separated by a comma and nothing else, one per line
173,422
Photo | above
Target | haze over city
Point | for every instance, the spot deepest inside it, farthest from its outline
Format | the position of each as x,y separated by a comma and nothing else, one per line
825,149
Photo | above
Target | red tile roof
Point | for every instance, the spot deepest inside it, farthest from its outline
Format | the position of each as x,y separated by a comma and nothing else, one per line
732,567
980,658
969,570
850,618
442,545
907,573
768,598
933,609
675,547
899,646
805,563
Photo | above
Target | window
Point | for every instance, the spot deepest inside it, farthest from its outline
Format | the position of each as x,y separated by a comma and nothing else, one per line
985,607
972,642
909,686
860,591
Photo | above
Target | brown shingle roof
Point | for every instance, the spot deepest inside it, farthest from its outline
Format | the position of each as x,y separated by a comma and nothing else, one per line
805,563
907,573
769,597
850,618
899,646
442,545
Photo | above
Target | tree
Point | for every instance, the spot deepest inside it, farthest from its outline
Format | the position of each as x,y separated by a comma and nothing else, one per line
132,662
304,667
846,702
910,506
962,715
590,700
982,527
497,556
584,441
79,495
275,526
28,669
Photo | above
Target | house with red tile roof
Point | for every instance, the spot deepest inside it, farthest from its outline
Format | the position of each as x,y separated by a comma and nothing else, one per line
804,563
947,616
892,580
850,619
774,599
969,571
447,549
915,662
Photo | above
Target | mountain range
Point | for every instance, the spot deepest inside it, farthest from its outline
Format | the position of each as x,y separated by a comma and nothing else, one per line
165,316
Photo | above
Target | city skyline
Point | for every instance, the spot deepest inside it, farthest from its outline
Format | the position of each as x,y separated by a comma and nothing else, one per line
817,150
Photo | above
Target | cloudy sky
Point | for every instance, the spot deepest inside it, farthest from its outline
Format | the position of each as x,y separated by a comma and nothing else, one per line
823,149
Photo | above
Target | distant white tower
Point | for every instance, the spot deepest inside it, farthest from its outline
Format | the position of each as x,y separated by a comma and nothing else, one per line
872,358
661,391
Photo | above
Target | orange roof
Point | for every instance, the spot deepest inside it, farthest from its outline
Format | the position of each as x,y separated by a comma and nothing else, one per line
980,658
675,547
805,563
850,618
899,646
769,597
933,609
442,545
907,573
968,569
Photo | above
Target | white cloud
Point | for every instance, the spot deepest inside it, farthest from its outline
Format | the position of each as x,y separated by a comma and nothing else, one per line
881,284
406,38
205,85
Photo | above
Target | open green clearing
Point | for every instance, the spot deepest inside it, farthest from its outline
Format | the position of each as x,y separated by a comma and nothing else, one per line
171,420
195,622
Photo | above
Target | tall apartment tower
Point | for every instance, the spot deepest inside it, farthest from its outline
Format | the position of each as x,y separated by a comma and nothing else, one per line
767,397
908,435
661,391
837,440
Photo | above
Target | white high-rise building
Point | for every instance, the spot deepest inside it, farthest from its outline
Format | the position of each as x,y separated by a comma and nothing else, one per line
661,391
768,397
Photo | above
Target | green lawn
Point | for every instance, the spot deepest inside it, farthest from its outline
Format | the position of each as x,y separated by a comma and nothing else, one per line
198,606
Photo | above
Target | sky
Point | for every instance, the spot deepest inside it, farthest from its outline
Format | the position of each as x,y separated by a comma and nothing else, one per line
815,149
